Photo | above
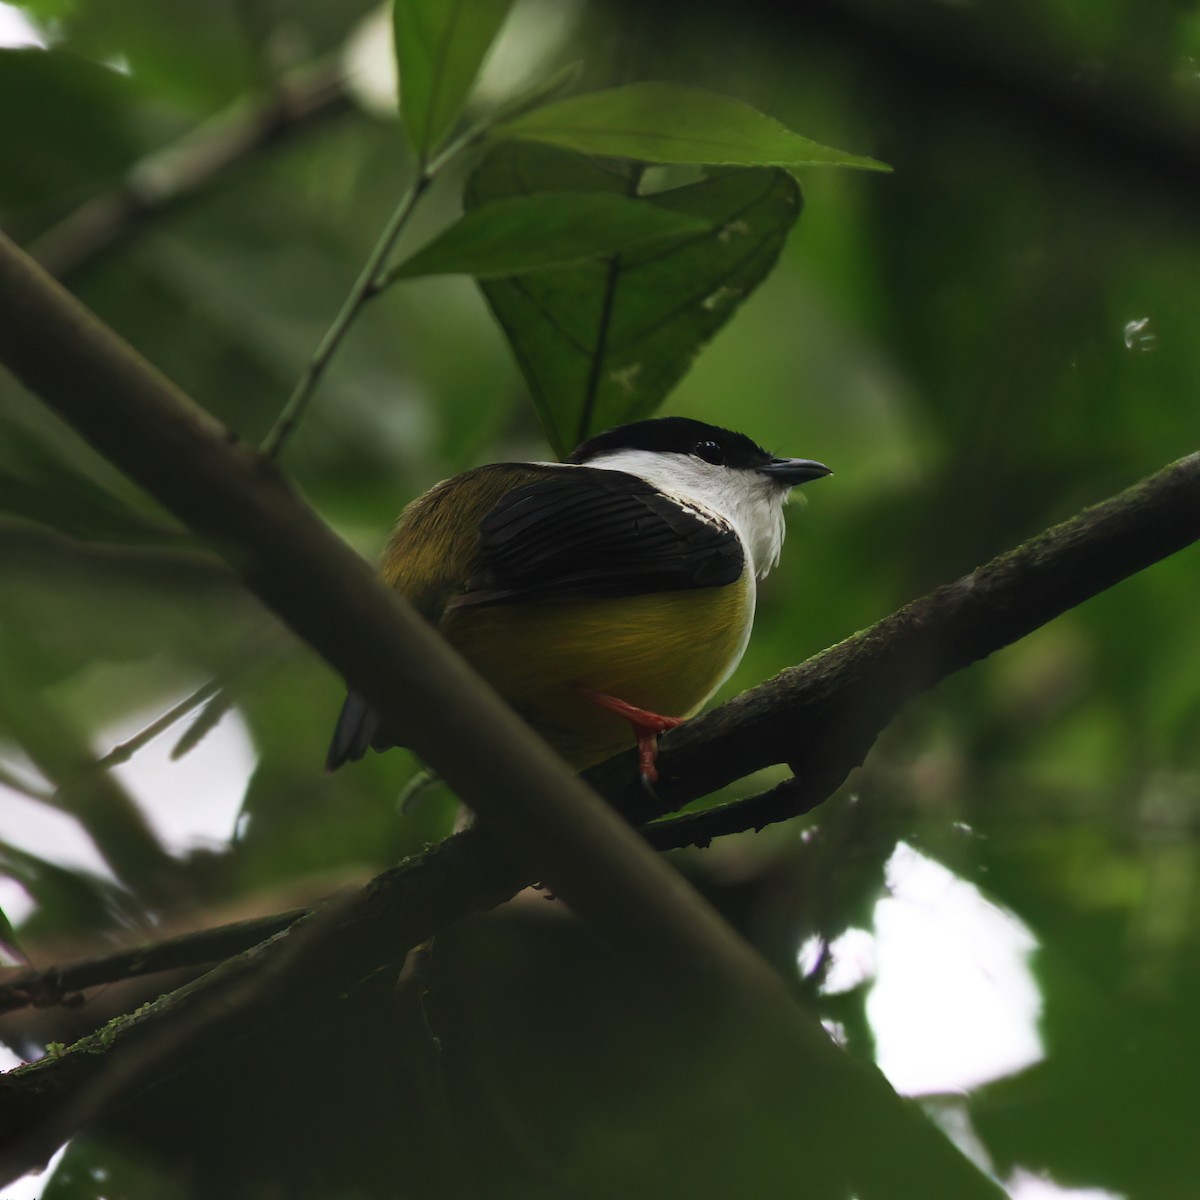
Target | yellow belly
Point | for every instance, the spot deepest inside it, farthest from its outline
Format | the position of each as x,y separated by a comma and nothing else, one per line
666,653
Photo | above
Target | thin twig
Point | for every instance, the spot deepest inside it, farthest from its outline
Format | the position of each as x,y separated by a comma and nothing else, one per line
122,752
370,282
49,986
210,691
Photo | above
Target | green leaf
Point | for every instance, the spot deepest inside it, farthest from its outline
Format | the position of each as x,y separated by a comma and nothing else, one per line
39,483
439,46
527,233
65,124
604,341
66,899
10,944
667,123
193,59
45,10
95,1166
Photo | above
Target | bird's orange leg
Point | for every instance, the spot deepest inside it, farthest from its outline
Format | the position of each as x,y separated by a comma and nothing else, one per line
646,727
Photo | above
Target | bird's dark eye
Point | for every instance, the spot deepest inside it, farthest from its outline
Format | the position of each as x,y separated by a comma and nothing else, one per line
711,452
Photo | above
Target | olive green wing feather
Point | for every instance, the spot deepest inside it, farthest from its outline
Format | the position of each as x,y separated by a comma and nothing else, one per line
433,551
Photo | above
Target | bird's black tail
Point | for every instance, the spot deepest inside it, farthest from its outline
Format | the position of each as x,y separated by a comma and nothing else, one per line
357,727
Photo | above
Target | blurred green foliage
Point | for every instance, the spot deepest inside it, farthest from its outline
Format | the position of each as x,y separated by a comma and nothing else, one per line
604,341
979,344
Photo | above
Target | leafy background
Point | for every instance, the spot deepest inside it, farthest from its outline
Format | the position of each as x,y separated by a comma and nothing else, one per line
981,343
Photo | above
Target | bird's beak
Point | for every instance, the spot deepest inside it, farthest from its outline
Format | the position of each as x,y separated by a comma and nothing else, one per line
791,471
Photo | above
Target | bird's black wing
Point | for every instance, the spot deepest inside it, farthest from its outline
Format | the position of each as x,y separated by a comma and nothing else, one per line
583,532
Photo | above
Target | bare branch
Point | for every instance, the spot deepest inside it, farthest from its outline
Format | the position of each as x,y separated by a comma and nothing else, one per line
45,987
171,177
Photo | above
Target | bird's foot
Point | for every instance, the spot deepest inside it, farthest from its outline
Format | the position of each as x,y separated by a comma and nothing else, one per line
646,726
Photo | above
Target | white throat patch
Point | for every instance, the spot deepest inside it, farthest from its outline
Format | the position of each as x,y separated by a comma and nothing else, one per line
750,502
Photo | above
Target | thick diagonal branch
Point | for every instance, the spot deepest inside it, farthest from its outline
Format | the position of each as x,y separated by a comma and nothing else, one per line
540,814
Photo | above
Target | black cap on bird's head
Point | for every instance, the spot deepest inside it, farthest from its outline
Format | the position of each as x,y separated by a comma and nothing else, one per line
711,443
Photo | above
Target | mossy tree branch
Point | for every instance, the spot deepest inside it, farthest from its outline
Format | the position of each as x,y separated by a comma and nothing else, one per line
822,716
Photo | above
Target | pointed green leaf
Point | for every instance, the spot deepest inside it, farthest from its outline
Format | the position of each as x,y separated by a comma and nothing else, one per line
11,953
604,341
527,233
68,899
667,123
39,483
439,46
